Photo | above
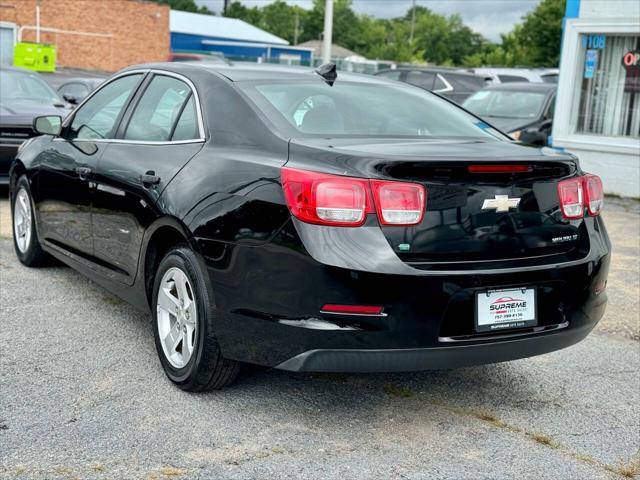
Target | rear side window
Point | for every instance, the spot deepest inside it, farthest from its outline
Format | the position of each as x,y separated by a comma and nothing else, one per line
187,126
420,79
96,119
159,109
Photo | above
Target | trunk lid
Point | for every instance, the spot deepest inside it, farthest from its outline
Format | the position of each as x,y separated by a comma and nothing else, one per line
465,219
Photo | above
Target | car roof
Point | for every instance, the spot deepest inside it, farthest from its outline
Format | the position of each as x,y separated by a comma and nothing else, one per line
448,70
524,87
247,72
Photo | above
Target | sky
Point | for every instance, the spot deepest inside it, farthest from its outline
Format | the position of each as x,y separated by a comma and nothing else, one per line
488,17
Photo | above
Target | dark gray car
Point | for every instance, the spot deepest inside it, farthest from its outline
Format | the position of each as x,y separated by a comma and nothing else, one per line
454,85
24,95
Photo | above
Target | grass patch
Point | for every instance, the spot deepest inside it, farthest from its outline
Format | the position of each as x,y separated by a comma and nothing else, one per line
98,467
170,471
396,391
629,470
20,469
62,470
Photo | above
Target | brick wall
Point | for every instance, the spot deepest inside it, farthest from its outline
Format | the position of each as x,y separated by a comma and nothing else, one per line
130,31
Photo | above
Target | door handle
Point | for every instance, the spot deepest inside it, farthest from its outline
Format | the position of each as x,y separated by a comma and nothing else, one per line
83,172
150,179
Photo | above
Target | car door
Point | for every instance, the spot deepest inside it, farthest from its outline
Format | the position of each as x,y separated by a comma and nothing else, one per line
68,165
160,133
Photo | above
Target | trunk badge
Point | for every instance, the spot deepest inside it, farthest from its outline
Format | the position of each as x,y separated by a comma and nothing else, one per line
502,203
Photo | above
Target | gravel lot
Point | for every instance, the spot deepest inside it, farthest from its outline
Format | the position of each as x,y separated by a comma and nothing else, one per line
82,395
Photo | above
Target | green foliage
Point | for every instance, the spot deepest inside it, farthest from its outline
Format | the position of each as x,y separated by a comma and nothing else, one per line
184,5
437,39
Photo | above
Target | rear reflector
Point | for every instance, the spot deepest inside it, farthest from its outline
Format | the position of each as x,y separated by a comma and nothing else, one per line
326,199
352,309
594,194
571,198
399,203
499,168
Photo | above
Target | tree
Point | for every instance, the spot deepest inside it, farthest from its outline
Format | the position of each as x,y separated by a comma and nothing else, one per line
541,32
184,5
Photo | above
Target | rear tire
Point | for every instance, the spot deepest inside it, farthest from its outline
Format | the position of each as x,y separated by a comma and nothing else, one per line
184,315
25,236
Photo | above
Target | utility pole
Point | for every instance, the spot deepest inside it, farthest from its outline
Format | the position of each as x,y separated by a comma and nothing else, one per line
413,21
224,9
296,27
328,31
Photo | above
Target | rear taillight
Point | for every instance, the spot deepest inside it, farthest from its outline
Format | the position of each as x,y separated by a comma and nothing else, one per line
593,194
326,199
579,193
571,198
399,203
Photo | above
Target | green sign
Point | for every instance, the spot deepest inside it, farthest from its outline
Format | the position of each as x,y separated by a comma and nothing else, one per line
39,57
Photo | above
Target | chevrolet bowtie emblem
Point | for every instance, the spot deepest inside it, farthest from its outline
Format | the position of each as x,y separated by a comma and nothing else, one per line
502,203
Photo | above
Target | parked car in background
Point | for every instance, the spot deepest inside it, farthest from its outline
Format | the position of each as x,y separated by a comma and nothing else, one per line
24,95
310,222
523,110
198,57
76,89
452,84
494,76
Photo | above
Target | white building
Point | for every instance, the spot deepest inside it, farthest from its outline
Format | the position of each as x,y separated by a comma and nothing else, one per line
597,115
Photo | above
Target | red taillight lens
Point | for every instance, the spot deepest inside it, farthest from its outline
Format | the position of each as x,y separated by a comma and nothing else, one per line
399,203
352,309
571,198
499,168
594,194
326,199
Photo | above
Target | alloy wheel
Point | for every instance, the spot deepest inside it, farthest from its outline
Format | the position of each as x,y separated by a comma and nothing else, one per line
22,220
177,317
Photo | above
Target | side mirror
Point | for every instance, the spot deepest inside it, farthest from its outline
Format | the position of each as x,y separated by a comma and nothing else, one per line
72,99
49,125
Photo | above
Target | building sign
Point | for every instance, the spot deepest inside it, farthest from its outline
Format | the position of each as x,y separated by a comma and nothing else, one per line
590,63
631,64
594,41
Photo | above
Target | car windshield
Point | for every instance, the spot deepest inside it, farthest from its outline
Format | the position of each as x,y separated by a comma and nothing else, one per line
370,109
505,103
25,86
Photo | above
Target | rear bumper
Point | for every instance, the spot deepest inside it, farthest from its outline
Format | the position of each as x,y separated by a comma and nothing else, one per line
417,359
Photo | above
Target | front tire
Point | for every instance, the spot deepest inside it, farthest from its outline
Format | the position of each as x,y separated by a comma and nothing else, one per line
184,315
25,237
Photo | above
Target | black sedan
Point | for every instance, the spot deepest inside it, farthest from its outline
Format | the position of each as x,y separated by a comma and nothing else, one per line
523,110
24,95
292,219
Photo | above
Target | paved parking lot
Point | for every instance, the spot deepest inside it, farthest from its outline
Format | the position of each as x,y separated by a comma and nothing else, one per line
82,395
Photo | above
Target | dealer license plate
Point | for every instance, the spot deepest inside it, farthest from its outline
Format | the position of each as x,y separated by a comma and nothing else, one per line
505,309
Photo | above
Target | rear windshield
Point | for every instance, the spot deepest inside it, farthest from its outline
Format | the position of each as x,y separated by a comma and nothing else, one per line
348,108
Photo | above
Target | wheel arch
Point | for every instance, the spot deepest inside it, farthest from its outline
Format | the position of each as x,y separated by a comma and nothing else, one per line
164,234
15,172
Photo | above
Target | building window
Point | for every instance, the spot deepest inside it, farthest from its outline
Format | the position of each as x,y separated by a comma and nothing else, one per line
608,103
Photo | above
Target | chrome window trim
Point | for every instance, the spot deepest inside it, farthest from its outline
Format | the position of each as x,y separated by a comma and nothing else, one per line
447,88
201,131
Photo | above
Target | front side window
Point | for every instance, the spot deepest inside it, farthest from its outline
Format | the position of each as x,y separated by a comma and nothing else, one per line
158,110
353,108
608,102
97,118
